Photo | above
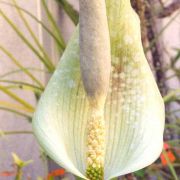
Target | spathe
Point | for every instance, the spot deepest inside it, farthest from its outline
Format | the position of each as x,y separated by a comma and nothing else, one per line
134,109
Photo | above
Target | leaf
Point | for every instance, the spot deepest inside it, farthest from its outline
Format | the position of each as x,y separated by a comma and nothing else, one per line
68,8
2,133
14,106
17,160
20,71
20,163
27,42
53,23
16,98
140,173
16,112
54,36
172,96
33,35
25,84
18,64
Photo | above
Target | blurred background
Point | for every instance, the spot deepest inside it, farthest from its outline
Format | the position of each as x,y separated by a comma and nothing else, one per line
33,36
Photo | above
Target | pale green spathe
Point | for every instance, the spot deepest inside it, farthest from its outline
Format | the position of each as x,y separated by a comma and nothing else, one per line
134,110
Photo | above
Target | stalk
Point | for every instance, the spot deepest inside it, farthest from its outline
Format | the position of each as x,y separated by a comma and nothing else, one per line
33,35
50,32
17,98
19,174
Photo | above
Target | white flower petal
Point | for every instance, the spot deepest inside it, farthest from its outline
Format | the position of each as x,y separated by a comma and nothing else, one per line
135,122
60,119
134,111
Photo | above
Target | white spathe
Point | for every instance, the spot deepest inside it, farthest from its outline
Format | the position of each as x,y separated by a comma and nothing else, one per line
134,109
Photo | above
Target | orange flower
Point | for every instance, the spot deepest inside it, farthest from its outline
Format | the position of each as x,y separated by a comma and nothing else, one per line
169,155
7,173
55,173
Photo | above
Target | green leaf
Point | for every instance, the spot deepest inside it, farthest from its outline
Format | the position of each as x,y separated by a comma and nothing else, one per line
172,96
27,42
2,133
36,40
18,64
53,23
21,70
16,112
140,173
19,162
54,36
21,83
68,8
16,98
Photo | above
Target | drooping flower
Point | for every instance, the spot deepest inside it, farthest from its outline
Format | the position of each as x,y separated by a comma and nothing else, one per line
126,132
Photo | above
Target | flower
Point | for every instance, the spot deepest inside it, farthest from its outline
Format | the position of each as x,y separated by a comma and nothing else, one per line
55,173
167,155
123,136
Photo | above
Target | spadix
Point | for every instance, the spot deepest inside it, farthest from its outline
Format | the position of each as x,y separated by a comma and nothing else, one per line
133,111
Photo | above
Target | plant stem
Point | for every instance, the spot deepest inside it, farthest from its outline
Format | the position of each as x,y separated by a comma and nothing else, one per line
16,112
26,41
53,23
34,37
16,132
68,8
54,36
19,174
18,64
17,98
